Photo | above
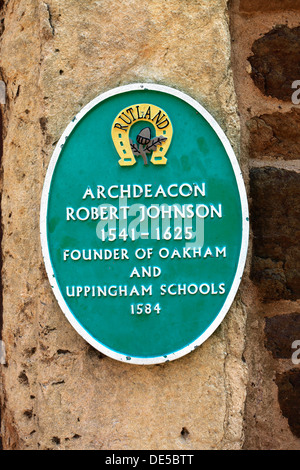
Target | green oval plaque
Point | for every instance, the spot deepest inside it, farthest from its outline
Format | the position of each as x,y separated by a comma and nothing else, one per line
144,224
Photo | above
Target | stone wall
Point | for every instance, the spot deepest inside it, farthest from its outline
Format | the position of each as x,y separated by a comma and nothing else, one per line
57,392
266,44
240,389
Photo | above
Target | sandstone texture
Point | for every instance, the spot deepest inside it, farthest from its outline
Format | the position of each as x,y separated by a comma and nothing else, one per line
281,332
276,252
276,62
289,395
254,6
57,392
275,136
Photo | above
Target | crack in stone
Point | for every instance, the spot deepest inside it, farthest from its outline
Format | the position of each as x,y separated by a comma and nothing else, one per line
50,18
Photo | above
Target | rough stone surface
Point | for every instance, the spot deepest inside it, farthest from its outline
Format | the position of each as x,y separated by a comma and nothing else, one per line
281,331
267,426
275,136
58,393
254,6
276,62
289,396
275,197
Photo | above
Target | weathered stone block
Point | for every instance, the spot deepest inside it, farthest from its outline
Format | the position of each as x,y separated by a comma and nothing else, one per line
275,135
281,331
276,62
275,217
57,394
289,398
249,6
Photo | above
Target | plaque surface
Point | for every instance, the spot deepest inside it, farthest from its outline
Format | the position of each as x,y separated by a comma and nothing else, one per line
144,224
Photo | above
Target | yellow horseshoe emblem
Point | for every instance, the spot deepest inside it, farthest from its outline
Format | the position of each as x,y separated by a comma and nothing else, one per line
146,144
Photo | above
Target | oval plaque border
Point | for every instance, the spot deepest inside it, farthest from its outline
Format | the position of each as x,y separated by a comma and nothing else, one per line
245,226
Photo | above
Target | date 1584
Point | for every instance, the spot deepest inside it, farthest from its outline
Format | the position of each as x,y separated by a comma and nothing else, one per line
145,309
